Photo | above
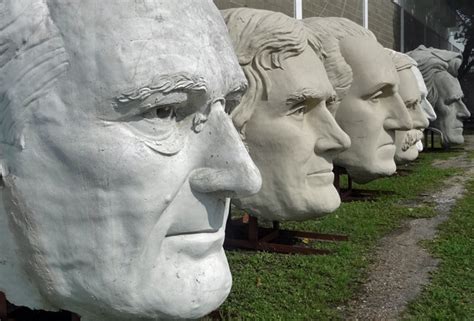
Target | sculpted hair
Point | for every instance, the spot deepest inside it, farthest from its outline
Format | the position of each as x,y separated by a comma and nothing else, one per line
329,31
262,41
432,61
32,58
400,60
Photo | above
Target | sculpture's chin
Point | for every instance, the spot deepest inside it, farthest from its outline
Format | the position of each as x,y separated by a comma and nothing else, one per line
407,156
307,203
188,286
454,139
178,286
366,174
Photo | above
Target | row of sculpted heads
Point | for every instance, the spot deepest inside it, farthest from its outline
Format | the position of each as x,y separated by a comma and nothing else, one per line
332,94
378,98
121,128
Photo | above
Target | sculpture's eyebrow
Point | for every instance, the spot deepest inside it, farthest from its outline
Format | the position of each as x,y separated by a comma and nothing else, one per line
410,102
455,97
239,88
308,93
236,92
161,86
380,86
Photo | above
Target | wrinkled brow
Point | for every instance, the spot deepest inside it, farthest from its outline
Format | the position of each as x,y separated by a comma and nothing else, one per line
164,84
456,96
237,91
307,93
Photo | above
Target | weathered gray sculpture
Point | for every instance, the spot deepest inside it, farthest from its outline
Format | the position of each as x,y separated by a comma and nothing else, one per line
425,104
406,141
439,70
117,156
370,109
287,127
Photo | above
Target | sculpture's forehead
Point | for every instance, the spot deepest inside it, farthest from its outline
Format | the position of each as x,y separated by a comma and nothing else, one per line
129,42
408,85
447,85
419,80
370,63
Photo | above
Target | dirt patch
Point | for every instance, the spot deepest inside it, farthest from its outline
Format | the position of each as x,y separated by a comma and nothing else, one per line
402,267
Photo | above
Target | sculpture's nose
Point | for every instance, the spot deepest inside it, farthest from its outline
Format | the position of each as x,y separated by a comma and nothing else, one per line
428,109
462,111
332,139
228,169
420,120
398,116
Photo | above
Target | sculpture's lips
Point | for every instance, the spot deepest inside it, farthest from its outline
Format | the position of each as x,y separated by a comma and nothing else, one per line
388,144
458,124
322,177
196,245
208,231
321,172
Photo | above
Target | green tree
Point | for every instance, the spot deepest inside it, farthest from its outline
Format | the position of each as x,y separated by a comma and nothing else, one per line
465,14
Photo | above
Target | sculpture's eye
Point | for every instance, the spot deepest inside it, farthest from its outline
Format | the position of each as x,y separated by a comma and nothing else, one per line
332,104
411,105
374,98
232,100
230,105
164,113
298,112
331,100
453,100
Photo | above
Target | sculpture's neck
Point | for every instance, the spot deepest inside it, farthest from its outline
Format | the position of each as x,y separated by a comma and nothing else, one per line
14,282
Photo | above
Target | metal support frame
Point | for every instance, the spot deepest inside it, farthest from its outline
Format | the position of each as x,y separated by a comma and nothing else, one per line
351,194
404,171
75,317
3,307
247,234
430,131
6,315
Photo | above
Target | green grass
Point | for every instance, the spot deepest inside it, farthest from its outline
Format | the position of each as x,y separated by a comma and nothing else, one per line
450,295
269,286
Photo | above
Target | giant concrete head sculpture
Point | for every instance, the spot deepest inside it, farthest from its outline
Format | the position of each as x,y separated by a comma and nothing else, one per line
425,104
406,141
117,155
439,70
287,127
370,108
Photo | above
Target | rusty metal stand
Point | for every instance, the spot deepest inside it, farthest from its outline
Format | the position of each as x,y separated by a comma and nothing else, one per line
3,307
245,233
351,194
431,148
10,312
429,132
403,171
